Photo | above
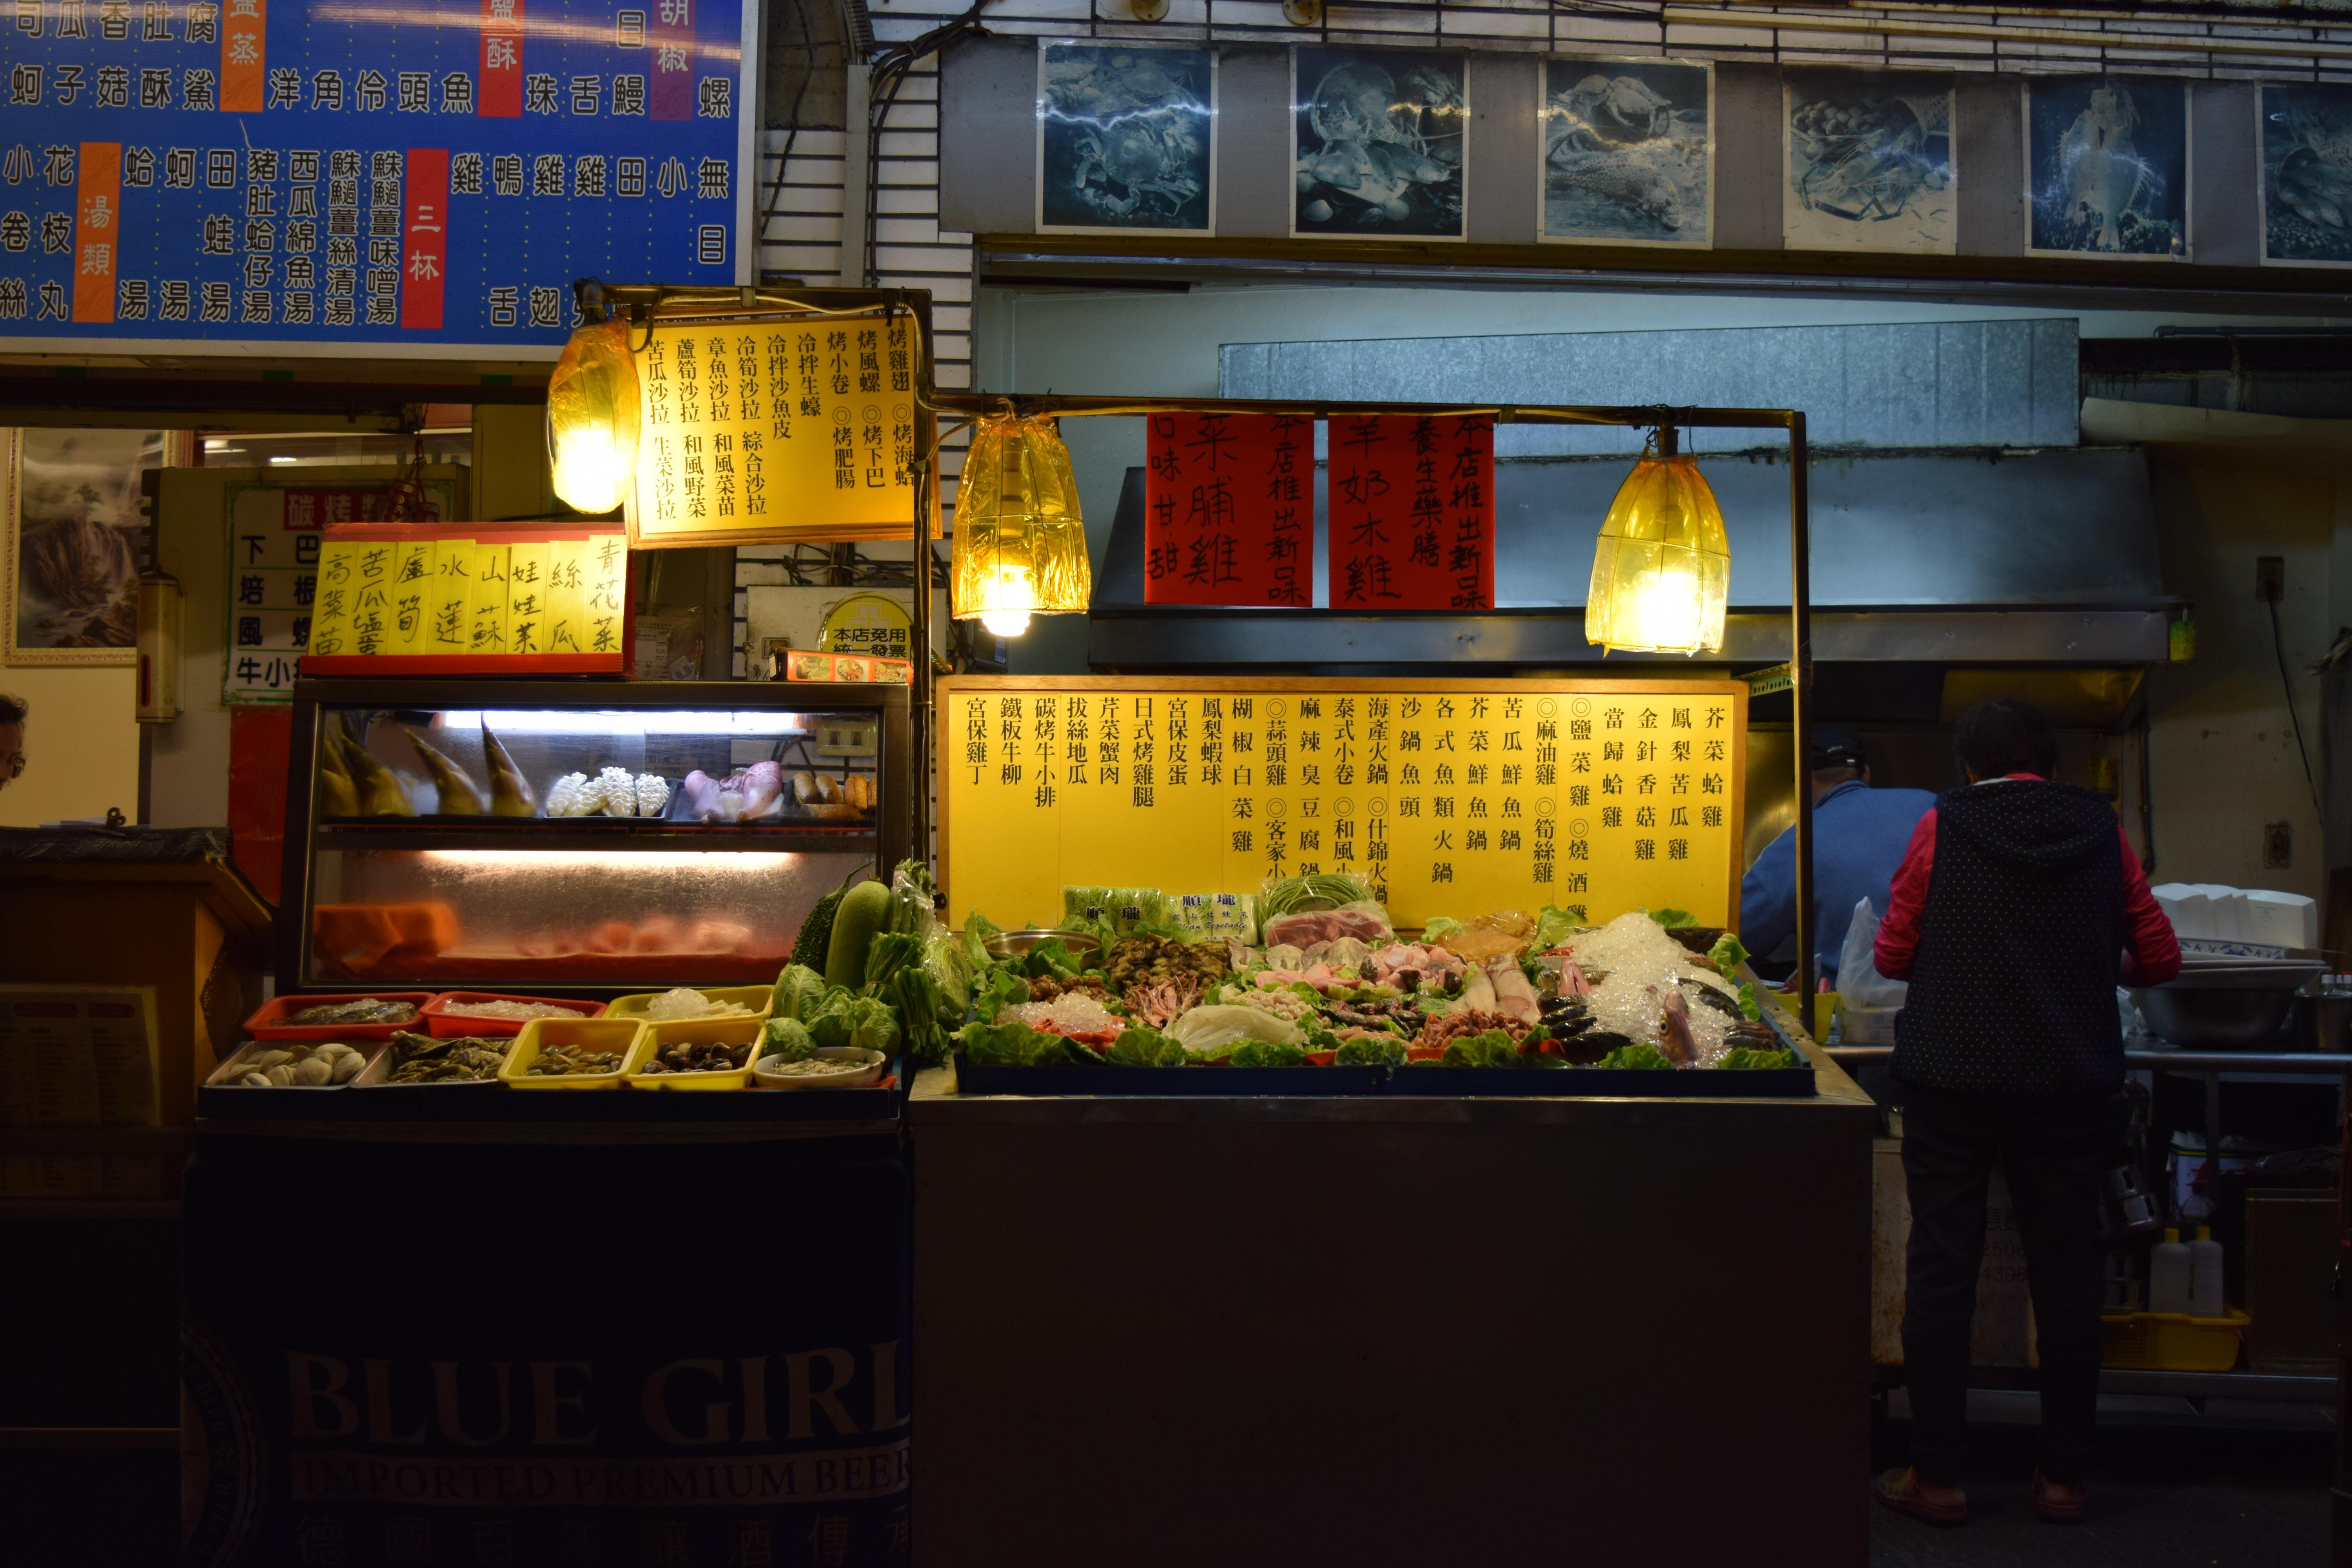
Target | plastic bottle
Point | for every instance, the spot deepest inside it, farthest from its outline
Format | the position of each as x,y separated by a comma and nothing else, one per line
2205,1275
2167,1274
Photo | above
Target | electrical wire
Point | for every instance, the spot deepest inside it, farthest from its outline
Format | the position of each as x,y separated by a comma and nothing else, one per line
2278,643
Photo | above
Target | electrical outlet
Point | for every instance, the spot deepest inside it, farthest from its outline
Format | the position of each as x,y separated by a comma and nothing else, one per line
2278,846
2270,578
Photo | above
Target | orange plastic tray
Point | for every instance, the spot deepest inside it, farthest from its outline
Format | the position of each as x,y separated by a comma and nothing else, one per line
441,1025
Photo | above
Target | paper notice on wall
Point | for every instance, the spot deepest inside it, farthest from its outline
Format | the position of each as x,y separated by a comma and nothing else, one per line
1412,510
1229,509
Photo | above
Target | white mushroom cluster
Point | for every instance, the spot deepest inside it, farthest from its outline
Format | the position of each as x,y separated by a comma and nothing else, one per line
612,793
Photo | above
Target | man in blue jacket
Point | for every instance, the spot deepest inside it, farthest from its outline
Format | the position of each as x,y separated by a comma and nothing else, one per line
1859,837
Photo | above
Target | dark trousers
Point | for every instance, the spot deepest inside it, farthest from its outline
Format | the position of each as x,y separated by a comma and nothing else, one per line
2052,1156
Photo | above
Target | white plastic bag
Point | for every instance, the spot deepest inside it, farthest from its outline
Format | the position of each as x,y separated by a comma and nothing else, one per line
1869,1000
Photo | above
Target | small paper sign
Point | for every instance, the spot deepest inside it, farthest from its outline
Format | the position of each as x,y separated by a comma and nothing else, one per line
1229,509
1413,512
394,600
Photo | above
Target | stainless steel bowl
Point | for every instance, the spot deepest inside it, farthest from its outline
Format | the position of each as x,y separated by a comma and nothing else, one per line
2214,1017
1013,943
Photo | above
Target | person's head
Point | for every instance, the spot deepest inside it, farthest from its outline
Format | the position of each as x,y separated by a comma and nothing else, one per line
1836,755
12,738
2005,736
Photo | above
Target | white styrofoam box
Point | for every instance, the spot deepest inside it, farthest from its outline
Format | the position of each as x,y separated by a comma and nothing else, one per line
2289,919
2190,911
2229,924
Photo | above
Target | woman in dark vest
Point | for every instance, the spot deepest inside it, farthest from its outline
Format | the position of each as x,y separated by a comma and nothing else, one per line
2018,908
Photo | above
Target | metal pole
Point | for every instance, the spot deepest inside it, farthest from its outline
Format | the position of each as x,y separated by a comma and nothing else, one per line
1800,703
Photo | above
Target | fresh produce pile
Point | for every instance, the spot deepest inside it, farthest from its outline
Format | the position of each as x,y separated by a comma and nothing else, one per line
874,968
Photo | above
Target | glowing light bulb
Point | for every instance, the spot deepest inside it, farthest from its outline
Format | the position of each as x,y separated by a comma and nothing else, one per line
592,419
1020,541
1661,567
1005,623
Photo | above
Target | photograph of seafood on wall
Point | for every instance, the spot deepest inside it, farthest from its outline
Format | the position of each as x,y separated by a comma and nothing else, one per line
1629,151
1127,138
2306,150
2106,166
1377,140
1871,163
75,539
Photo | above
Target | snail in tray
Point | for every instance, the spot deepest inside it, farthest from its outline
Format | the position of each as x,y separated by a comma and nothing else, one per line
320,1066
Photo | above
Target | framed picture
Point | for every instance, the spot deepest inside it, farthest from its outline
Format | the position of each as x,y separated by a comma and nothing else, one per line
1377,138
1871,161
76,543
1127,138
2305,144
2107,167
1628,151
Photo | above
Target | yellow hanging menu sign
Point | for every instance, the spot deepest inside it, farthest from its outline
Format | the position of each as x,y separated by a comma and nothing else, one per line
374,626
567,594
527,577
1449,797
330,614
412,589
777,429
488,609
605,594
449,624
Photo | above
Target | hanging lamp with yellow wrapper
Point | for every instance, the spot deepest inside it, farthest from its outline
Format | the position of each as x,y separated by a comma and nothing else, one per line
1662,569
1020,539
592,419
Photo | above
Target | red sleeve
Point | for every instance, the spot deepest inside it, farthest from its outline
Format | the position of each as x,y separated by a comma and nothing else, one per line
1898,932
2155,955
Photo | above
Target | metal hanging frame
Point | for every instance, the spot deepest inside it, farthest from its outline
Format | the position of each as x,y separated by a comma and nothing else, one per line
986,404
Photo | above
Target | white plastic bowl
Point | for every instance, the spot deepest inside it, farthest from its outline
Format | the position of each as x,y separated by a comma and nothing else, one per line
871,1065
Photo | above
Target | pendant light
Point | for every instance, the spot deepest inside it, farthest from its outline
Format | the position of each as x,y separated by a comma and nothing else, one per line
1662,570
592,419
1020,541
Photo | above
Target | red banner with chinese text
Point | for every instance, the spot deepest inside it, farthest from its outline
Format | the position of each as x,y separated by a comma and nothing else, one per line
1412,510
1229,509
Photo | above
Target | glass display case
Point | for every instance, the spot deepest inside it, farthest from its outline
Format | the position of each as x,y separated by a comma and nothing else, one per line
577,835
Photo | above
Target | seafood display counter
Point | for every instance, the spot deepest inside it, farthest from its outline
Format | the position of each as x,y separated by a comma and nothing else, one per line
585,1275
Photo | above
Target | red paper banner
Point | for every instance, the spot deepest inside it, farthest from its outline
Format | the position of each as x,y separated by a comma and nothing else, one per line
1229,509
1413,512
428,241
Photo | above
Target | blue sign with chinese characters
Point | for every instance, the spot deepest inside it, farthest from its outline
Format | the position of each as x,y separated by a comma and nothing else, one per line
399,175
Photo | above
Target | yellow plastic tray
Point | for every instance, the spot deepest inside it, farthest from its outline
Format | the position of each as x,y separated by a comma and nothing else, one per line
761,999
699,1031
630,1037
2174,1342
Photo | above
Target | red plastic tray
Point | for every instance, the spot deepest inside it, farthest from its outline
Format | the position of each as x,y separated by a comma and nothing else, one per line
440,1025
265,1025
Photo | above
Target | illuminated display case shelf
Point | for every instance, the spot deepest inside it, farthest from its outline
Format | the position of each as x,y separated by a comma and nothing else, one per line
487,834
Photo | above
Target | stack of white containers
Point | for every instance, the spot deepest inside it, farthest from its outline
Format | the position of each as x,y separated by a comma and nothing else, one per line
2208,913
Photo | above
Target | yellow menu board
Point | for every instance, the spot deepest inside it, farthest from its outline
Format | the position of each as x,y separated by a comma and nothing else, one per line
424,601
1450,797
777,429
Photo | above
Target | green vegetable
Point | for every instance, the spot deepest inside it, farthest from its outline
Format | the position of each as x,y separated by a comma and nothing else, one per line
863,911
844,1019
1750,1007
787,1037
888,953
1143,1047
918,1001
1636,1056
816,932
1554,925
1728,954
1004,987
798,989
1748,1058
1051,960
943,960
1674,920
1438,926
1264,1054
1495,1048
910,900
1011,1044
1370,1053
1326,891
977,929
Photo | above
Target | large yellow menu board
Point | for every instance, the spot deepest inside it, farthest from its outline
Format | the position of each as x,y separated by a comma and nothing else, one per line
774,428
1451,797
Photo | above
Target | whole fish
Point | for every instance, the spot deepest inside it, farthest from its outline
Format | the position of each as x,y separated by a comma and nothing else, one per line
458,795
1675,1041
509,791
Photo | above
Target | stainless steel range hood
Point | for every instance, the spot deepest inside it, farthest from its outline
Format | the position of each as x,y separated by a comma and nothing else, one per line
2044,557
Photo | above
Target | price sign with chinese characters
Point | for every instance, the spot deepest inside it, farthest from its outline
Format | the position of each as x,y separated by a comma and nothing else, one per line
1412,508
275,532
773,428
479,599
1449,797
316,176
1229,509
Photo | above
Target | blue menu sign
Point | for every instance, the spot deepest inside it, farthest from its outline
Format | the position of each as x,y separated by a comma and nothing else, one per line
402,175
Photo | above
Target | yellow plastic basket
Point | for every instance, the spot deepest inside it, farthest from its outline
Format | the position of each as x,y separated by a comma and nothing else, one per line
745,1032
758,998
2174,1342
632,1038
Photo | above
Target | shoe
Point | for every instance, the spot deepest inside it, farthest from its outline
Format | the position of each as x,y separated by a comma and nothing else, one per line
2056,1501
1904,1492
